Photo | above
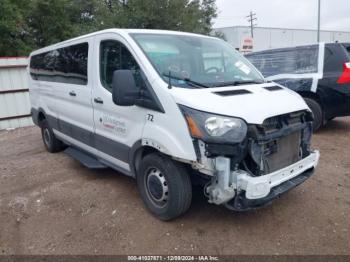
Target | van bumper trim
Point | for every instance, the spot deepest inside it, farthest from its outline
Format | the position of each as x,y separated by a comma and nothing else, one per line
242,203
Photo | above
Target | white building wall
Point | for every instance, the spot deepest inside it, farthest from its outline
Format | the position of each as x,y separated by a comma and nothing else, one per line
268,38
231,35
14,95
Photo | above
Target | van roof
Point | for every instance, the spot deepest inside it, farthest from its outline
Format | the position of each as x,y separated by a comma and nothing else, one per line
120,31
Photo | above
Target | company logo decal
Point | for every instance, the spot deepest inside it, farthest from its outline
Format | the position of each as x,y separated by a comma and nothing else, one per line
114,124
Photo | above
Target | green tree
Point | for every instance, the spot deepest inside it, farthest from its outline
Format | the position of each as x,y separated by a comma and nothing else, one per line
219,35
208,12
31,24
181,15
13,29
52,21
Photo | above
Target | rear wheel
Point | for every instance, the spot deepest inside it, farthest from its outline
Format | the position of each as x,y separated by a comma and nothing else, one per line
317,112
164,186
52,144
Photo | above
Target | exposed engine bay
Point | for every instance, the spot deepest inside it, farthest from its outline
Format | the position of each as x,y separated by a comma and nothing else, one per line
279,143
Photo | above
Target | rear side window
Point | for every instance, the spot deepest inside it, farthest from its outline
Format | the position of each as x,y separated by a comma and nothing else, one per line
348,49
299,60
327,54
63,65
115,56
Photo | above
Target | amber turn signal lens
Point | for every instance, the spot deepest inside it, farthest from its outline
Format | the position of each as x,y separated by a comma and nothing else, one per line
195,132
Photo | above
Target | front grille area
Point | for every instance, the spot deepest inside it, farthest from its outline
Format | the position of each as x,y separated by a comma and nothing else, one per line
279,142
277,122
286,152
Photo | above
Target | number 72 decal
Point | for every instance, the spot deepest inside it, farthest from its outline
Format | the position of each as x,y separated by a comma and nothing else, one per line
150,117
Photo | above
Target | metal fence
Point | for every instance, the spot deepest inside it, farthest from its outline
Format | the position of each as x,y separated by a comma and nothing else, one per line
14,93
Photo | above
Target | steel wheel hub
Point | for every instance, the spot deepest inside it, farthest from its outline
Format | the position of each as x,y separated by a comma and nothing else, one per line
157,187
47,137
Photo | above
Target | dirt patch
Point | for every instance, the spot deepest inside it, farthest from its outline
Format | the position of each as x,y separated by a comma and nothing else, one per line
51,204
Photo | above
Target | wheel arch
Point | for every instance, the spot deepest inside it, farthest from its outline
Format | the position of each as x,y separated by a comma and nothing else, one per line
38,115
312,95
136,153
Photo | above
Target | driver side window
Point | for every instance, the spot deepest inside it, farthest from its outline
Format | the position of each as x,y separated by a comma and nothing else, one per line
115,56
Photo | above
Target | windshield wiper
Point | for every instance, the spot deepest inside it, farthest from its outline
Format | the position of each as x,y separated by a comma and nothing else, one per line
187,80
240,82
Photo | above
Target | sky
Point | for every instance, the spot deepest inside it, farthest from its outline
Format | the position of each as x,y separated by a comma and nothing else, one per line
301,14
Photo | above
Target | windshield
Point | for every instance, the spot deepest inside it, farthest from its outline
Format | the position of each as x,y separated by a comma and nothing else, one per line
207,61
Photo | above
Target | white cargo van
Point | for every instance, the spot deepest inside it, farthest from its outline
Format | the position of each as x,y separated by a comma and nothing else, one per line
172,109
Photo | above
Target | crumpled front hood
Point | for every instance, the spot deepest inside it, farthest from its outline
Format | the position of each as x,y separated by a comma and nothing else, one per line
253,107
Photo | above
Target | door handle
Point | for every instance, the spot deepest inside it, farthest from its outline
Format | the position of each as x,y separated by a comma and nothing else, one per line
72,93
98,100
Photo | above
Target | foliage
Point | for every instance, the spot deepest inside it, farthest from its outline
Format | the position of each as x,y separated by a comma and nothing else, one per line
13,29
31,24
219,34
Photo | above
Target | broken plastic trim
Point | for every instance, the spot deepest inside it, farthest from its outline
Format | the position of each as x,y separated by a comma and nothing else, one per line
241,203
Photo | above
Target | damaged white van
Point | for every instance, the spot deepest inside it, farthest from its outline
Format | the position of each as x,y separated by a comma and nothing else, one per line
172,109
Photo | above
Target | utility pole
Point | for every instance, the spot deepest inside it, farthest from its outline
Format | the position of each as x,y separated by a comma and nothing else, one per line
251,18
319,21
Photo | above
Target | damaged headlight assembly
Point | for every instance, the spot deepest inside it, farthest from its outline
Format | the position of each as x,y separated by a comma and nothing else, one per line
222,133
214,128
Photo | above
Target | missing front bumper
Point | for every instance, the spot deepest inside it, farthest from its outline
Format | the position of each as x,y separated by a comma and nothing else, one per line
240,187
241,203
259,187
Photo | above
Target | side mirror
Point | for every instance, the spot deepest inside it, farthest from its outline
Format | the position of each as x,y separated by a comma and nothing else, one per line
124,90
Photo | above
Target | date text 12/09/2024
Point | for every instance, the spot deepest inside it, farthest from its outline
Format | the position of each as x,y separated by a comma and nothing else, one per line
173,258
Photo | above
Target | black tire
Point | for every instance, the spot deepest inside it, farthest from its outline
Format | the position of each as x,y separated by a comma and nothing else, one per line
157,175
52,144
317,112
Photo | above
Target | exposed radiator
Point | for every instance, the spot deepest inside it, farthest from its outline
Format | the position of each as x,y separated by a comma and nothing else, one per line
282,152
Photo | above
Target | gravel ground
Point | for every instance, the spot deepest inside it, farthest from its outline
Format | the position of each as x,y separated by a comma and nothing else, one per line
51,204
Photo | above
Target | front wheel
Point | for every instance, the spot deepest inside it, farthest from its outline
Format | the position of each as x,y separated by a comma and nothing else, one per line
164,185
316,111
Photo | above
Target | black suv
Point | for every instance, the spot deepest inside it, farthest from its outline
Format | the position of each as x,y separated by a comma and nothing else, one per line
320,73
